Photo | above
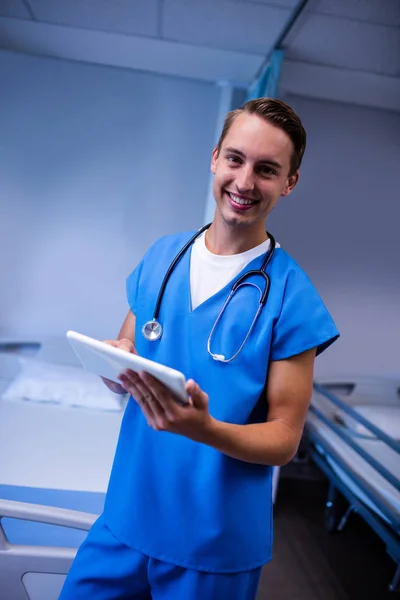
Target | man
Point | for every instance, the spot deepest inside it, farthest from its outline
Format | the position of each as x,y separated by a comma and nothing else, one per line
188,509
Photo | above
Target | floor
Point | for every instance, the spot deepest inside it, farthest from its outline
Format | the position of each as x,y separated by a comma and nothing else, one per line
311,564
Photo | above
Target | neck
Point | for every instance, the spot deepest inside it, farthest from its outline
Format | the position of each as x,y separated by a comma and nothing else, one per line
224,239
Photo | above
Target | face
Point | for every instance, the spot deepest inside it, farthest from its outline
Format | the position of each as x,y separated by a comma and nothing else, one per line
251,172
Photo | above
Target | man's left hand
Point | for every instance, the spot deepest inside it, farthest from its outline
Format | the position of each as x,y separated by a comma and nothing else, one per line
162,411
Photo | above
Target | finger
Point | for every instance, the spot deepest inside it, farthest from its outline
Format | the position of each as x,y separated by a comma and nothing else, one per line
138,397
161,393
198,397
123,344
149,415
141,393
131,381
128,345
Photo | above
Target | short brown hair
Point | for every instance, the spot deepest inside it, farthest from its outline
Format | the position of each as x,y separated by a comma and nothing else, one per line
279,114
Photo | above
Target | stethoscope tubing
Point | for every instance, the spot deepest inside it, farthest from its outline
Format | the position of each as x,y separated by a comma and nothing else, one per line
152,330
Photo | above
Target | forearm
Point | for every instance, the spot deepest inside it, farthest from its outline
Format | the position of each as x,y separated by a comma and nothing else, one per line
272,443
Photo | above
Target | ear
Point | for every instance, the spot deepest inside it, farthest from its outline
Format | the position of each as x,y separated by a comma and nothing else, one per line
290,184
214,158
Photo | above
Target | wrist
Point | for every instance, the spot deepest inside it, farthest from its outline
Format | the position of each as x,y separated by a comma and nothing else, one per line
209,432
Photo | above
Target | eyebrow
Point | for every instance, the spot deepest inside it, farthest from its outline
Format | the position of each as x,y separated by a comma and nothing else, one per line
265,161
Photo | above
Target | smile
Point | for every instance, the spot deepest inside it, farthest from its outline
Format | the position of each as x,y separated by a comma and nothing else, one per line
240,200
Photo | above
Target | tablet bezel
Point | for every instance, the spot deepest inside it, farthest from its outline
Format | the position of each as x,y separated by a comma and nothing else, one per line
99,357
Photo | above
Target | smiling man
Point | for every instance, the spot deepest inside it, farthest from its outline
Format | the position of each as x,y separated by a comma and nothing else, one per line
188,513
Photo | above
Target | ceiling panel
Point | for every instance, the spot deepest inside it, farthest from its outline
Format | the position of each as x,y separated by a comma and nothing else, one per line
120,16
225,24
128,51
346,43
385,12
14,8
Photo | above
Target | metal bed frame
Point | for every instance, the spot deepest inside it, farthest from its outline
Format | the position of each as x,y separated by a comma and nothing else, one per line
17,560
335,516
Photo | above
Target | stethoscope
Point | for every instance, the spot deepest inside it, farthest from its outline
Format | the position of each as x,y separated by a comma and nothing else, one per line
152,330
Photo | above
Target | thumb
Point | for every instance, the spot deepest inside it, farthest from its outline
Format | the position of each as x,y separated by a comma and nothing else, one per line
198,397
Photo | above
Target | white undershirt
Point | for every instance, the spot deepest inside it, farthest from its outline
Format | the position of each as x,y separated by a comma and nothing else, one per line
209,272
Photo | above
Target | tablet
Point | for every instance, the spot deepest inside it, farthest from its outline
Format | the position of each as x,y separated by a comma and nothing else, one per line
107,361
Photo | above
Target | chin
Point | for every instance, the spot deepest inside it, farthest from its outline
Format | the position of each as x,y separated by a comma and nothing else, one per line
233,220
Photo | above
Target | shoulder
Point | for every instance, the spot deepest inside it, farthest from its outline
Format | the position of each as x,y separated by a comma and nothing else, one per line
154,263
289,270
170,243
304,321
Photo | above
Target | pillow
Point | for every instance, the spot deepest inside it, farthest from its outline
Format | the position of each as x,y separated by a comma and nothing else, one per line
70,386
386,418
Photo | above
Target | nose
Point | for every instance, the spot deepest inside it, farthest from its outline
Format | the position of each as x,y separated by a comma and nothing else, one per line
245,179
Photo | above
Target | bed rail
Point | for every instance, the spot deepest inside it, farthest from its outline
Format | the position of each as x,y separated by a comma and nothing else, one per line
381,469
19,347
394,520
320,450
17,560
381,529
356,415
365,455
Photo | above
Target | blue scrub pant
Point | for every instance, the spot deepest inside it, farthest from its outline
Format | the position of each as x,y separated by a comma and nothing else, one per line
106,569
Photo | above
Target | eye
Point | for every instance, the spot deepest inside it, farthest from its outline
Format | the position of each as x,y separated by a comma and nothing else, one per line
267,171
235,160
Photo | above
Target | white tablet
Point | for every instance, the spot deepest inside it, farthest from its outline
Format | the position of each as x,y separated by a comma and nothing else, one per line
107,361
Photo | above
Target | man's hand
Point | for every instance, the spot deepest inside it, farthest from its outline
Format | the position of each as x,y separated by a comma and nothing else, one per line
122,344
274,442
162,411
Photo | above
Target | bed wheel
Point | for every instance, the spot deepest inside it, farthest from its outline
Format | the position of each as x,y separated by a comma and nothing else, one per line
337,510
332,514
395,584
332,517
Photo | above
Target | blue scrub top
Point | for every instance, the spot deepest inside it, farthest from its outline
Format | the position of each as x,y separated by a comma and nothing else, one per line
178,500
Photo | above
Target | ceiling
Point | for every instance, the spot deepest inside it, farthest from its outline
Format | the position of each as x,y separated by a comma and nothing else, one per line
347,50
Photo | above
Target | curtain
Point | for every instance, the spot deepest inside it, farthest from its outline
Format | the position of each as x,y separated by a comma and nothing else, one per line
268,83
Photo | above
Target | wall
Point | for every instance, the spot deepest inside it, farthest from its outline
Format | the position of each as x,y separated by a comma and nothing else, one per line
90,155
342,225
95,164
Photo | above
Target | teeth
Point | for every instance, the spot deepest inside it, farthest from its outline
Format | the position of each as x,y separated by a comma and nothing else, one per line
241,200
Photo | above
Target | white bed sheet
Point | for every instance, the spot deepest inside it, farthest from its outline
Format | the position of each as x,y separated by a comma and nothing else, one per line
56,447
53,446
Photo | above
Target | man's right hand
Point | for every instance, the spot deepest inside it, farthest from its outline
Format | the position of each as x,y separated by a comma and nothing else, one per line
122,344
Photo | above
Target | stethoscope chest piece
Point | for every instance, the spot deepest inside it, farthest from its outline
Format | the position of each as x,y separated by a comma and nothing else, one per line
152,330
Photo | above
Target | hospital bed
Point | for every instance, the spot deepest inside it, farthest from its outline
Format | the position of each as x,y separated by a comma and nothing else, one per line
352,433
58,432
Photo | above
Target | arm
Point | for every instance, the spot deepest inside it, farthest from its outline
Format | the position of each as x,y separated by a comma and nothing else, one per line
125,341
275,442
